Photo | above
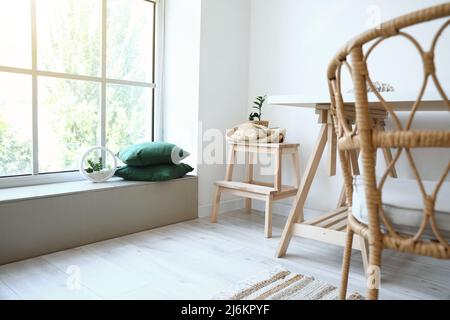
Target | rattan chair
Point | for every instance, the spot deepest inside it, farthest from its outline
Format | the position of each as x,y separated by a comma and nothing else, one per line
429,237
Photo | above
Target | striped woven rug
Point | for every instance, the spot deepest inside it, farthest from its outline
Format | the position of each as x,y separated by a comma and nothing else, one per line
281,284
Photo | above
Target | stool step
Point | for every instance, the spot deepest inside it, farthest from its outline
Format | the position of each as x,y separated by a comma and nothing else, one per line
265,190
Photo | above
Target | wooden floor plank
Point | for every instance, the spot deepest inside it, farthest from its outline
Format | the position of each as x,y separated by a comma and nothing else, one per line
37,279
197,260
7,293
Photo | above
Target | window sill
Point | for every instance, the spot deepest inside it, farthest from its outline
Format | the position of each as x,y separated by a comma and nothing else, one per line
66,188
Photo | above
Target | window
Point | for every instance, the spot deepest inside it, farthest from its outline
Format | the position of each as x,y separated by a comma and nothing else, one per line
73,74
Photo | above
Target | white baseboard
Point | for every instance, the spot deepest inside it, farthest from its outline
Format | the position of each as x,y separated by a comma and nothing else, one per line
236,204
284,209
225,206
280,208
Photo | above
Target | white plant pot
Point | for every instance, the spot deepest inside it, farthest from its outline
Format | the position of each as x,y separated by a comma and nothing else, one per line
100,175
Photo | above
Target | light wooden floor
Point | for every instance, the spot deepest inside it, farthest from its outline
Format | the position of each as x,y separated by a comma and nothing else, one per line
196,260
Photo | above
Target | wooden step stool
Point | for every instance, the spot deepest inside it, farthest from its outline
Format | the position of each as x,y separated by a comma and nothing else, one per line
251,189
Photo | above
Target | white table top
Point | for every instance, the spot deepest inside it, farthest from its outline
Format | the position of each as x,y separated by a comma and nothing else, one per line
430,102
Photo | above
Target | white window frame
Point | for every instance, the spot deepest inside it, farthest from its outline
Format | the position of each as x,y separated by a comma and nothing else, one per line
36,178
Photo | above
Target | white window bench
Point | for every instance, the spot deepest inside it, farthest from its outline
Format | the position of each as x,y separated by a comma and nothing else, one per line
36,220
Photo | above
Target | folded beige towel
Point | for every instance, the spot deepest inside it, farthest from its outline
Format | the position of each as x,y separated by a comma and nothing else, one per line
253,133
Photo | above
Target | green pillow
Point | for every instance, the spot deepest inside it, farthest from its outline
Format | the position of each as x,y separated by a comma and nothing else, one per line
160,172
151,153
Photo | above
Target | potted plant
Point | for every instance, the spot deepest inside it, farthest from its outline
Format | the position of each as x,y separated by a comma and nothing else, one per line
258,104
96,171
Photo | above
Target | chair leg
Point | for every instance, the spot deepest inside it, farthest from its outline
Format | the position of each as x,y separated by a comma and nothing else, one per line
248,205
364,253
268,218
216,205
249,179
346,264
296,167
374,272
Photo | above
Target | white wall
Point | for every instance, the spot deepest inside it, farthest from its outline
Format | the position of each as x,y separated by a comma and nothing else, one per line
205,81
223,83
220,54
291,44
180,91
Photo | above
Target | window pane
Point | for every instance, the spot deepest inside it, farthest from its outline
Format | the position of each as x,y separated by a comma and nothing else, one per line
15,33
69,36
15,124
69,122
130,40
128,115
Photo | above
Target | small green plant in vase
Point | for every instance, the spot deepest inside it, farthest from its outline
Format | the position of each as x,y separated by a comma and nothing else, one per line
94,166
258,104
96,170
